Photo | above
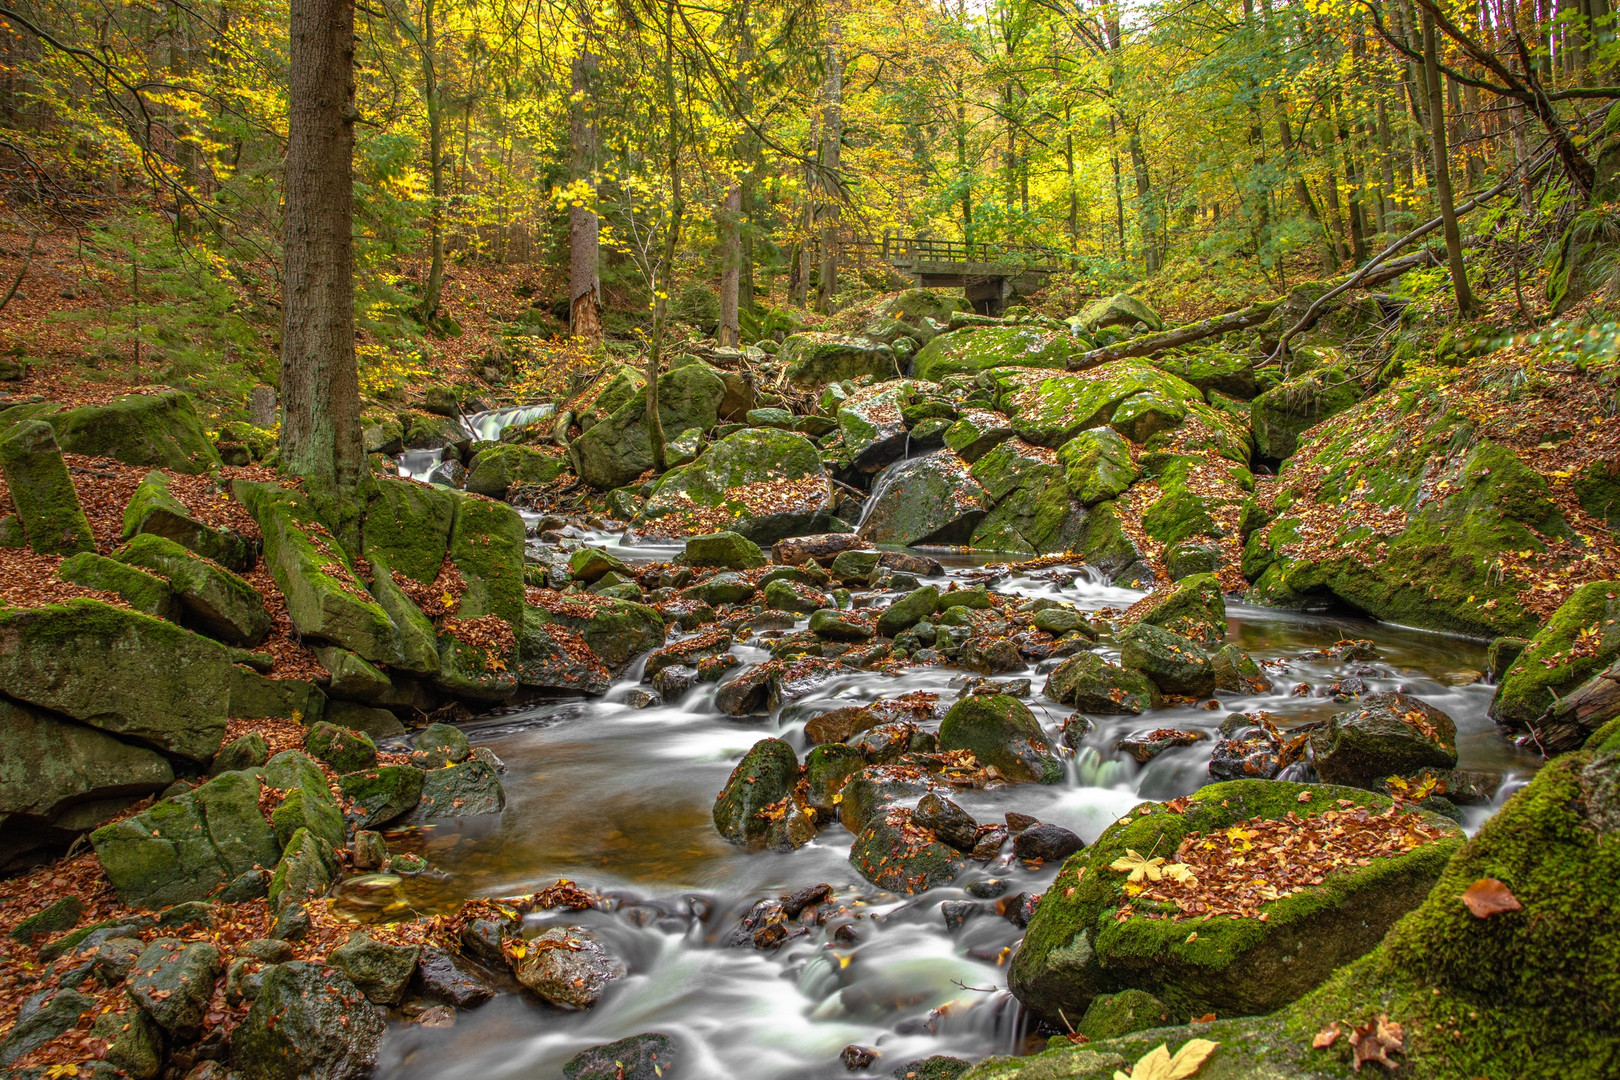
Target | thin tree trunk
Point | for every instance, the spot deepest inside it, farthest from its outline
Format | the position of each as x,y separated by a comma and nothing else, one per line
729,227
1442,173
320,388
435,117
584,227
832,138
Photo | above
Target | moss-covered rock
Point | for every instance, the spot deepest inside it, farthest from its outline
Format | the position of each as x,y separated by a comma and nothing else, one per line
1106,545
908,611
42,491
1581,639
1174,663
872,426
325,600
381,795
933,499
618,448
499,470
767,483
146,593
1195,609
1097,465
1282,414
306,871
1121,309
979,348
308,1020
1093,685
161,430
154,509
757,796
813,359
1033,512
1077,949
618,631
894,853
407,528
129,674
1001,732
827,768
1212,370
212,599
1385,735
186,847
344,750
1049,410
468,789
975,432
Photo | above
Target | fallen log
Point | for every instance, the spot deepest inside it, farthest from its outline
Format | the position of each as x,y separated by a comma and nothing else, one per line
1573,717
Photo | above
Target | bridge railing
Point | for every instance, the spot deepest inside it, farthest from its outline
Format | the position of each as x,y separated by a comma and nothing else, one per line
911,249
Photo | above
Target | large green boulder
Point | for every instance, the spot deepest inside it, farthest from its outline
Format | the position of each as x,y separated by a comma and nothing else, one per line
173,983
407,528
1033,512
761,783
212,599
1175,664
1093,685
128,674
618,631
497,471
1212,370
872,427
1002,733
976,432
727,550
1385,735
1049,410
763,483
618,448
154,509
1580,640
51,766
42,491
978,348
1282,414
325,599
1098,932
308,1022
932,499
161,430
306,871
908,611
1097,465
379,796
1121,309
811,360
1195,609
468,789
895,854
186,847
552,657
146,593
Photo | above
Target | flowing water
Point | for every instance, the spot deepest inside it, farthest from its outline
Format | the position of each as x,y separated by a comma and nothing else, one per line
619,800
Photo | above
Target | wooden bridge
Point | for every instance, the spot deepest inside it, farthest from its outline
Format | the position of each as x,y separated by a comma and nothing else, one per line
988,273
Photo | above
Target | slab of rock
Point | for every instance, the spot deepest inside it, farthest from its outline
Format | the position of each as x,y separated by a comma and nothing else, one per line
932,499
42,491
1195,609
379,970
173,982
640,1057
308,1021
154,510
1174,663
1001,732
567,966
1386,735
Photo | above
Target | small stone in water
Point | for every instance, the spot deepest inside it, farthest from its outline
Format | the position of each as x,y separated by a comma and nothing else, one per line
858,1057
437,1016
988,889
1046,842
957,912
1019,822
642,699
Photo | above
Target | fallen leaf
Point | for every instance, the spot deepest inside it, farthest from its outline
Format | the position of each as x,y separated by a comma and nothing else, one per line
1327,1036
1487,897
1157,1064
1374,1040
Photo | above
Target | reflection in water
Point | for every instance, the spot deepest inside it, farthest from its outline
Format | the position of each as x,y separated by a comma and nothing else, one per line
620,800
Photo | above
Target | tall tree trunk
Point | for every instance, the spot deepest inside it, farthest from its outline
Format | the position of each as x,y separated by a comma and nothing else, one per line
832,139
1442,173
1146,206
1074,195
320,387
729,228
672,234
584,227
435,117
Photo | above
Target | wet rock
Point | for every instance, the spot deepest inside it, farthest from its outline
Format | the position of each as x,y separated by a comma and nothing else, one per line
248,752
938,1067
932,499
1112,1015
345,751
115,958
438,745
309,1021
957,912
884,743
673,682
947,821
381,795
791,596
1282,414
470,789
1061,620
991,656
378,970
1502,654
893,853
827,769
749,692
54,918
640,1057
857,1057
727,588
1001,732
905,562
134,1042
763,483
567,966
724,549
57,1013
796,903
1144,746
1051,843
1097,465
830,624
765,778
1174,663
1092,684
854,567
443,976
590,564
174,982
1195,609
1236,672
689,651
306,870
1388,735
798,550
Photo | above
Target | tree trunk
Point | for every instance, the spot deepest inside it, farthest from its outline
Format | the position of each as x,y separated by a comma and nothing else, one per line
1146,209
584,227
320,388
729,228
832,139
435,117
1442,173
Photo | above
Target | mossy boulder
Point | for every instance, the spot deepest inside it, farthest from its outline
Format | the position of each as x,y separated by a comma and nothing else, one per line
213,600
908,611
1174,663
933,499
1212,371
325,599
499,470
894,853
136,677
344,750
308,1020
1034,512
382,795
618,448
618,631
468,789
975,432
813,359
1097,465
146,593
1093,685
765,483
1077,949
160,430
552,657
186,847
1385,735
979,348
728,550
308,867
1581,639
1106,545
1001,732
1121,309
1282,414
745,812
154,509
42,491
872,425
1195,609
407,528
827,768
1049,410
378,970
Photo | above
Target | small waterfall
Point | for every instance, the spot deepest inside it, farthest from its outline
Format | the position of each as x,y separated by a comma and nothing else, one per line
487,426
884,481
419,464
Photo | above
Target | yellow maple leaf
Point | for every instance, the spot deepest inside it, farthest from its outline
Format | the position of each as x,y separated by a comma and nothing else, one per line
1157,1064
1155,869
